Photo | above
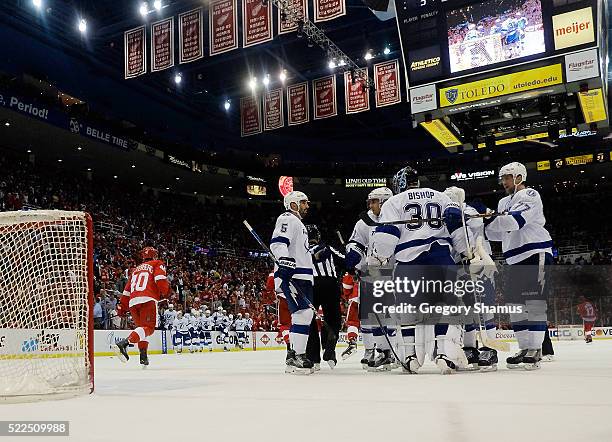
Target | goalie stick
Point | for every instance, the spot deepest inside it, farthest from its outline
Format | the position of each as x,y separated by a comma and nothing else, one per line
328,330
371,223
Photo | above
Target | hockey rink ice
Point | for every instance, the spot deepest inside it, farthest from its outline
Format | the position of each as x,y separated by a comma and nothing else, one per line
247,396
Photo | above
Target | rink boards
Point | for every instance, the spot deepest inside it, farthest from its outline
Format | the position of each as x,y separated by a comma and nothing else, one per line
61,343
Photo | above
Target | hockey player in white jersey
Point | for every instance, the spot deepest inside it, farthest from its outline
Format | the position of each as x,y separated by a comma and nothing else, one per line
485,358
169,317
240,326
293,275
222,324
218,314
425,243
207,324
249,321
180,326
519,225
355,259
194,331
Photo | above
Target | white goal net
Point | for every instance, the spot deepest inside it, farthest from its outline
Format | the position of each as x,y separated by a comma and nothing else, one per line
46,285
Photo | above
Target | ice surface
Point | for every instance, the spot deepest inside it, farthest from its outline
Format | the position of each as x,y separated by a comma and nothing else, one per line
246,396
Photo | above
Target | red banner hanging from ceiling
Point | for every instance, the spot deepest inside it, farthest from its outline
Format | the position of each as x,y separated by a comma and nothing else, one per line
256,22
329,9
273,115
356,92
324,97
191,35
300,9
250,116
162,44
223,26
298,106
387,83
135,52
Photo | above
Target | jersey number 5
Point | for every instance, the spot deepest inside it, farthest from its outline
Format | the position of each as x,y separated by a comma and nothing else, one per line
432,210
139,282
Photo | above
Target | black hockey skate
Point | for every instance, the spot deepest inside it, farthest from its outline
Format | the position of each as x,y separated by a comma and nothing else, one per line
289,361
487,360
329,356
301,364
144,359
121,349
350,350
531,360
368,356
411,364
472,356
516,360
384,362
445,365
588,339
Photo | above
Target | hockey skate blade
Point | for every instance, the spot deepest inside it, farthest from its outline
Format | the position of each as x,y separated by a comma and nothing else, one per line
488,368
470,367
364,366
120,355
444,369
514,366
332,364
144,367
532,367
302,371
289,369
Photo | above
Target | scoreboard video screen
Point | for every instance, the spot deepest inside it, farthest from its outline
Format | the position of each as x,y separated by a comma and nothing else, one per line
443,40
483,34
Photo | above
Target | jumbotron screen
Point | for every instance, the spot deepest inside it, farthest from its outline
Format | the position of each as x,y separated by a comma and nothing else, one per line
493,32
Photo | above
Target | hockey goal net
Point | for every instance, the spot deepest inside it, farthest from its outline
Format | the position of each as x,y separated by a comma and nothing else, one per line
46,304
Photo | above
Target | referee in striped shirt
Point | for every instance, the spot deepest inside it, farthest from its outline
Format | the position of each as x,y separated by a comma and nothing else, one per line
326,295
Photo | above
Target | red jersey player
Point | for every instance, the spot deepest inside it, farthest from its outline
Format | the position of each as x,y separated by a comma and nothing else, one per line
588,313
145,288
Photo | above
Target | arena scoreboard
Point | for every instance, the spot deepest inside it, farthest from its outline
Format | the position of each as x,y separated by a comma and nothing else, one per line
461,55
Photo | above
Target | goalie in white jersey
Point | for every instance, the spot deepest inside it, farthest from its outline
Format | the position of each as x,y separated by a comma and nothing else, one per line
356,252
429,242
519,225
293,275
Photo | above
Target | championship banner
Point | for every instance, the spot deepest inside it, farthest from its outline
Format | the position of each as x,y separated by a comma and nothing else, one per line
256,22
285,185
162,44
386,83
298,105
191,35
135,52
223,27
324,93
250,116
300,8
329,9
274,117
356,94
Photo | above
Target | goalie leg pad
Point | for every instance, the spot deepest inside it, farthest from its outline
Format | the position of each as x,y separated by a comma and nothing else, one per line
449,340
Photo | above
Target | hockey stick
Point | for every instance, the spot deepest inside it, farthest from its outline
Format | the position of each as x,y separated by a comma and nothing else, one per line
371,223
329,331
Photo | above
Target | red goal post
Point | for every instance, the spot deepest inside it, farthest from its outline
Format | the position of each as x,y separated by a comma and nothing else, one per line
46,304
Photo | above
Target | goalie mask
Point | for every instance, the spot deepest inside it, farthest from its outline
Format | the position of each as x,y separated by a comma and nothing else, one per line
405,178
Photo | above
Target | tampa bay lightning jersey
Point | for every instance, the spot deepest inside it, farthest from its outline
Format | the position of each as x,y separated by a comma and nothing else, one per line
357,247
207,323
240,324
407,241
290,240
181,325
521,227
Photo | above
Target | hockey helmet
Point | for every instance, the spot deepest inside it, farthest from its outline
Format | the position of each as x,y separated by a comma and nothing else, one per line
149,253
405,178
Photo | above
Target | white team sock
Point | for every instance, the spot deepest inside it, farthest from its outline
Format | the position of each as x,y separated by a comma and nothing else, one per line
368,340
469,338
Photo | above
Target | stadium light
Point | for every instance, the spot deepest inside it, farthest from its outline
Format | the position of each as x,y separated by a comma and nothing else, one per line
331,64
368,55
157,4
178,78
37,3
133,166
342,62
144,9
60,160
266,80
82,26
79,148
227,105
253,83
387,50
282,76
